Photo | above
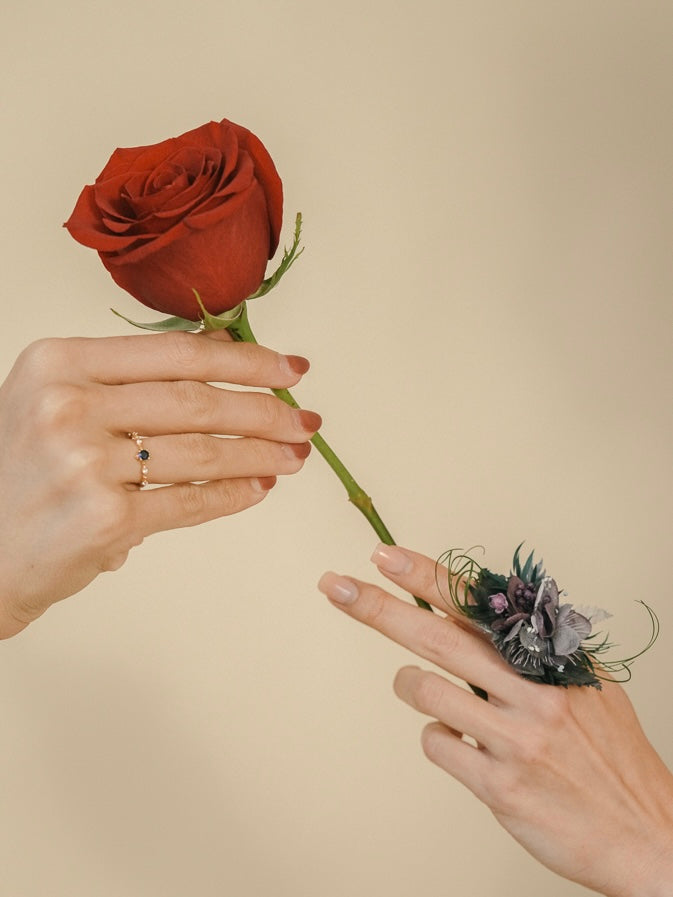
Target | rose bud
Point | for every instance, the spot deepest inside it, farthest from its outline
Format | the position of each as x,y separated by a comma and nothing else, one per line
202,211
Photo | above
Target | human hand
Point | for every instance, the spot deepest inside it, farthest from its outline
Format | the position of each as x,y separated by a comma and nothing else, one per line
568,772
68,473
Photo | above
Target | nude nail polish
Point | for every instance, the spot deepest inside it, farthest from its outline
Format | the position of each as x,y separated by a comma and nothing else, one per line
338,588
390,559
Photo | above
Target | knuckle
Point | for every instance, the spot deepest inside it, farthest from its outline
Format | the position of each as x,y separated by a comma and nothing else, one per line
552,707
117,543
218,498
44,357
251,358
428,692
503,793
259,454
202,450
376,608
182,350
270,412
58,406
440,637
114,561
194,399
108,518
84,462
105,517
532,747
194,502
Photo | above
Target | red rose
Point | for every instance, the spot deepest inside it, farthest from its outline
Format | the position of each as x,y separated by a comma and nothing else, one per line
201,211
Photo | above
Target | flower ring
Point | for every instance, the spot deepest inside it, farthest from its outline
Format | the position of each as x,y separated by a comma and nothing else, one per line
540,637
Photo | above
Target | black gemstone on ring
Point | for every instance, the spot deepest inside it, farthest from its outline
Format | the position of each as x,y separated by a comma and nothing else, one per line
143,455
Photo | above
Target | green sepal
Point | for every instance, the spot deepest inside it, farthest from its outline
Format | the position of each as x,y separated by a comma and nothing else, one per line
207,322
289,258
217,322
164,326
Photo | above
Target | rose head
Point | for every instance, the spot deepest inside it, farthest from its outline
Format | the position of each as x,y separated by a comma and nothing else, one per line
201,211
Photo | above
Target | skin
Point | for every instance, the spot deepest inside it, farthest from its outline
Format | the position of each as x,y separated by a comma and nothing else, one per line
67,465
568,772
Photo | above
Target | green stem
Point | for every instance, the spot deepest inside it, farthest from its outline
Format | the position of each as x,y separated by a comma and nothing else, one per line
242,332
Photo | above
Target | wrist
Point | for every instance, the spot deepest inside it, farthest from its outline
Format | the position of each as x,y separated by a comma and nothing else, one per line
659,877
649,871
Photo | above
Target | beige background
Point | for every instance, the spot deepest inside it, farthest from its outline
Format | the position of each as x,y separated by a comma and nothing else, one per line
486,299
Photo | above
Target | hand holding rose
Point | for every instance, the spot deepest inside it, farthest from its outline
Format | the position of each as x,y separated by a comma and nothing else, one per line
186,226
568,772
68,471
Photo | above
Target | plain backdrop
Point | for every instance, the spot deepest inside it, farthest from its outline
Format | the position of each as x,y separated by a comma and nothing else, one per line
485,298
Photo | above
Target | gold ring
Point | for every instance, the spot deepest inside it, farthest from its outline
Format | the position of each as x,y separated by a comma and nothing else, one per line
141,455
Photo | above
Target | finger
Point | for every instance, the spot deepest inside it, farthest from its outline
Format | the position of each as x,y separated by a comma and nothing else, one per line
186,406
196,457
172,507
417,574
437,639
467,764
460,710
210,357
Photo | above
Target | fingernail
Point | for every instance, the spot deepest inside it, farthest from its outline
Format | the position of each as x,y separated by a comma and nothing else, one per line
263,484
299,450
310,421
338,588
296,363
390,559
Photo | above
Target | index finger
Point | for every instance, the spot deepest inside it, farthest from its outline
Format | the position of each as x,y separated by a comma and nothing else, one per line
437,639
417,574
208,357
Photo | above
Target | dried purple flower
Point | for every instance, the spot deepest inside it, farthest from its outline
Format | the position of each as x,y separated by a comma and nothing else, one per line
498,602
541,638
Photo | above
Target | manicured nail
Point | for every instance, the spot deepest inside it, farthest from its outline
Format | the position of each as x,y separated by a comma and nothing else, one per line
263,484
390,559
296,363
299,450
338,588
310,421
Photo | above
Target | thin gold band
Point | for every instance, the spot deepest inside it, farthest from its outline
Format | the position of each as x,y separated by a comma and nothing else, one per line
141,455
